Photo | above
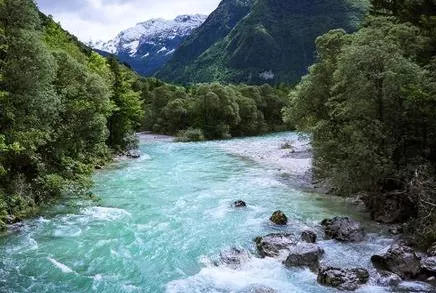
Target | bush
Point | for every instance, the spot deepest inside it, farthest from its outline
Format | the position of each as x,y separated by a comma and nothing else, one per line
191,134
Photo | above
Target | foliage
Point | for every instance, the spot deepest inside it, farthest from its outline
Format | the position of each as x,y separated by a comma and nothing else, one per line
56,98
190,134
219,111
370,103
273,43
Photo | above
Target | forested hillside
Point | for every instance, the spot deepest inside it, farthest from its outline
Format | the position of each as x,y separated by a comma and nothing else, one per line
370,102
273,43
65,110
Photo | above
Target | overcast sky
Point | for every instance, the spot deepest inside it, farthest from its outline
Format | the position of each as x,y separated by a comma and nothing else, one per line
104,19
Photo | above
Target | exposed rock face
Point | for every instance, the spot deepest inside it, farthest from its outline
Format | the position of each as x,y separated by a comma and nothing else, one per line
308,236
258,289
279,218
399,259
233,258
343,279
428,265
304,255
343,229
239,204
272,244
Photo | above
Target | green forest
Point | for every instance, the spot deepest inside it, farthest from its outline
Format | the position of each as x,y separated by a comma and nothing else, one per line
66,110
370,103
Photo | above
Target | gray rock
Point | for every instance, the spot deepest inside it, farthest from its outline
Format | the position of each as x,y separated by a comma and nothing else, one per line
11,219
343,279
415,286
432,250
239,204
272,244
304,255
388,279
428,265
134,154
279,218
343,229
233,258
258,289
308,236
399,259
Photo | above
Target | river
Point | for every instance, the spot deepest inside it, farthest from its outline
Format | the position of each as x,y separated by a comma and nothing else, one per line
164,219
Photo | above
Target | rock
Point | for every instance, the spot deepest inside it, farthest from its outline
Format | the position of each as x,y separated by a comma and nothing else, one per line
428,266
308,236
415,286
239,204
343,279
134,154
399,259
396,229
233,258
343,229
258,289
388,279
279,218
432,250
272,244
11,219
304,255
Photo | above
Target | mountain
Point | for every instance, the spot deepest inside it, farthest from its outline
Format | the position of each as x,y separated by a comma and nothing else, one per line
147,46
273,40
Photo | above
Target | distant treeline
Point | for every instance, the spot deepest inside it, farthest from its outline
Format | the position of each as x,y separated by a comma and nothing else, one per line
64,110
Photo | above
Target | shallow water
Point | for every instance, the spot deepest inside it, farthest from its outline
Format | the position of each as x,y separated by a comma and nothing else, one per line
165,218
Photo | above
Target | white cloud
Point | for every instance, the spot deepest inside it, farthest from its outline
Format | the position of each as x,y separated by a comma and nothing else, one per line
103,19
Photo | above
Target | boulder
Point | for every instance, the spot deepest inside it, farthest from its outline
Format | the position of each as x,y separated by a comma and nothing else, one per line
343,229
399,259
428,266
304,255
279,218
415,286
11,219
233,258
432,250
388,279
134,154
272,244
343,279
239,204
308,236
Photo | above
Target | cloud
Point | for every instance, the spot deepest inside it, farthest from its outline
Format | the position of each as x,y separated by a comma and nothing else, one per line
104,19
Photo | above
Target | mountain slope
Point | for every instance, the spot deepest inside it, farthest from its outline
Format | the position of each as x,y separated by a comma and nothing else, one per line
147,46
273,43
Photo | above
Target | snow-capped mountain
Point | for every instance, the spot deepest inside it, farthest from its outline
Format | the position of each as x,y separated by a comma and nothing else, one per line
147,46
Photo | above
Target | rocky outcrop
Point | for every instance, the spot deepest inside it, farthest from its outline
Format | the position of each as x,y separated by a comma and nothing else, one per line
343,279
239,204
432,250
343,229
399,259
233,258
428,266
308,236
304,255
279,218
272,245
134,154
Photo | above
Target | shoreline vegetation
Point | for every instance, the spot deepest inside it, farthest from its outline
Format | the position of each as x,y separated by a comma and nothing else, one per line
369,104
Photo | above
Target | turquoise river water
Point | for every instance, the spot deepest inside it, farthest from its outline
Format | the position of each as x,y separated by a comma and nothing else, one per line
162,221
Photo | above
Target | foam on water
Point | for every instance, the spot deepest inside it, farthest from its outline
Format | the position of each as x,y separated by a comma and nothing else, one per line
162,220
